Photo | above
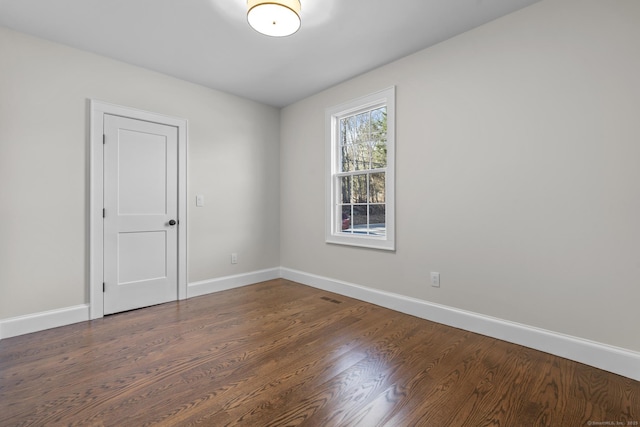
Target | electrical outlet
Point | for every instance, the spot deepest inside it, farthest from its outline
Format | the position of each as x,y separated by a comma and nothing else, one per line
435,279
234,258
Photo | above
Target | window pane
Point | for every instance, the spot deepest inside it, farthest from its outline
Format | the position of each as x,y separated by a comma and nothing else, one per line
345,189
348,130
379,138
379,124
362,156
376,188
346,158
363,127
379,155
359,189
377,220
359,219
346,219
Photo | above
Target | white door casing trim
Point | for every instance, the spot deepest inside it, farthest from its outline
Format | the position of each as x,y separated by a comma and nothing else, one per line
96,196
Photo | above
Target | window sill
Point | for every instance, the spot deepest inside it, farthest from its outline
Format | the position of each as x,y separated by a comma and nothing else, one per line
362,242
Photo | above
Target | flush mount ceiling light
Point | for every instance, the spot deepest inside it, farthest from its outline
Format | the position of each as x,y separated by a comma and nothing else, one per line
276,18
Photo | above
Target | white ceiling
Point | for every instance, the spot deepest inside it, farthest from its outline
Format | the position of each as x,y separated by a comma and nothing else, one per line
210,43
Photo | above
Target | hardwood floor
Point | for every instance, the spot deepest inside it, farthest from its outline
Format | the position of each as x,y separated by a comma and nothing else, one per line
283,354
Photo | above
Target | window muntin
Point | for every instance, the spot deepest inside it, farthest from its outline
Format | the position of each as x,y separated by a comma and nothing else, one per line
360,153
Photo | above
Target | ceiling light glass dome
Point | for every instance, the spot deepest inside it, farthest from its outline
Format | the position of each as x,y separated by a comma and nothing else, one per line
274,18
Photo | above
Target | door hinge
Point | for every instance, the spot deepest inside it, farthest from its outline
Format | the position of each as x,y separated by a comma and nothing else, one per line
104,213
104,138
103,287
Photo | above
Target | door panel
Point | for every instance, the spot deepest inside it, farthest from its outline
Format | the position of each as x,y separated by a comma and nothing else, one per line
140,198
142,190
142,256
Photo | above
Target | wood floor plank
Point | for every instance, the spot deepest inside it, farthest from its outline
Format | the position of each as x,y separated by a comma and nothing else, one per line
421,354
282,354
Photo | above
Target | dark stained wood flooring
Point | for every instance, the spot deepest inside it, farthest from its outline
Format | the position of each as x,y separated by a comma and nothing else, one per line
282,354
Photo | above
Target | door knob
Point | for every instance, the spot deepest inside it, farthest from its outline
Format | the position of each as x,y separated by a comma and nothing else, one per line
172,222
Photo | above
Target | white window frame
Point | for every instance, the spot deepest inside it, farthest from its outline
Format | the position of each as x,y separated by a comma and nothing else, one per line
333,230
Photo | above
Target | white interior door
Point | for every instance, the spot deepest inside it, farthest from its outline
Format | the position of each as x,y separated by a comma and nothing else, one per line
141,212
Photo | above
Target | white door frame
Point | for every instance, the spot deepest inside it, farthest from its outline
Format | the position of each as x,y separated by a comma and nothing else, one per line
96,197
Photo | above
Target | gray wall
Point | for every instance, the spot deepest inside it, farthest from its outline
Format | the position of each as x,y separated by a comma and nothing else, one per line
44,87
517,173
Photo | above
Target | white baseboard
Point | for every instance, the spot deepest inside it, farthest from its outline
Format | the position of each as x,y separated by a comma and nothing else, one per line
66,316
609,358
204,287
45,320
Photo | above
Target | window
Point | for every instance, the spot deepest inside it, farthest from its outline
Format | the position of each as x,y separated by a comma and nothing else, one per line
360,171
